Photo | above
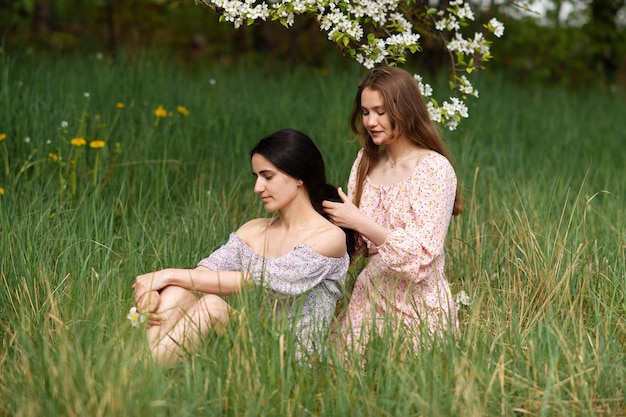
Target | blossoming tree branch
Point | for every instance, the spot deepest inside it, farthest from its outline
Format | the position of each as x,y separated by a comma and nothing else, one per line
384,31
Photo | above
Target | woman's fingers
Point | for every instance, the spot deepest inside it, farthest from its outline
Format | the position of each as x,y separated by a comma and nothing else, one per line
343,195
154,319
148,302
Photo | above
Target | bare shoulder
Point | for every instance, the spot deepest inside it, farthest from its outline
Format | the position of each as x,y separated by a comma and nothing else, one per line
253,228
329,242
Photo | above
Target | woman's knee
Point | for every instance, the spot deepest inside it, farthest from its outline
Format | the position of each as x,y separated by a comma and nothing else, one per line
173,296
214,307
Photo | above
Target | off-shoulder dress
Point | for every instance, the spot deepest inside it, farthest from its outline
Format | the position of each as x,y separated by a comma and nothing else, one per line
304,282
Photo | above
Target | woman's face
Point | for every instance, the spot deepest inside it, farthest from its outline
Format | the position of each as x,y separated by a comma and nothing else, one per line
375,117
276,189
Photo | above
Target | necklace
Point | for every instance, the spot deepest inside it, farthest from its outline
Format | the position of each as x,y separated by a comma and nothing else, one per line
393,164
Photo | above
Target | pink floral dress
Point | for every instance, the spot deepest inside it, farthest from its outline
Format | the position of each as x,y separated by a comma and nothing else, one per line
403,281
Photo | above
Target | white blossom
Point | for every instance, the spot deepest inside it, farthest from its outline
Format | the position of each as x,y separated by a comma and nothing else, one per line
465,12
135,317
425,89
466,87
462,298
496,27
454,107
434,112
388,36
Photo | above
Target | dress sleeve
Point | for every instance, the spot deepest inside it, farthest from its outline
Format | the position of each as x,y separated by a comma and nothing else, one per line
226,258
412,248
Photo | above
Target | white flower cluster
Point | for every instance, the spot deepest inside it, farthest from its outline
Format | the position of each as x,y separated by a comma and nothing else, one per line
466,87
496,27
337,23
425,89
469,47
374,31
343,22
237,12
449,113
462,299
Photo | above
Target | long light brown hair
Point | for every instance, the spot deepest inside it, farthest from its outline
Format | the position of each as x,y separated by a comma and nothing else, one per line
409,117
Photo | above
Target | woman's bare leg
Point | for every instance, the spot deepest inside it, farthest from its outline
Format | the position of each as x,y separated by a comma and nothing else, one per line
187,320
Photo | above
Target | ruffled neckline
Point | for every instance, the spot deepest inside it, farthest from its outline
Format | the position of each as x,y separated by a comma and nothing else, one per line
301,247
405,180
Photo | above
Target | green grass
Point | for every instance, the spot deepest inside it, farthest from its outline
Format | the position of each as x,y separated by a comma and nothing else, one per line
540,248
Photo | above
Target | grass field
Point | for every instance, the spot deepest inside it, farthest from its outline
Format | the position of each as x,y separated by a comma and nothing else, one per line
540,248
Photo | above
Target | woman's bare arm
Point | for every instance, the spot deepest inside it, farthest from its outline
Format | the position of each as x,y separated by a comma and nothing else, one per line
198,279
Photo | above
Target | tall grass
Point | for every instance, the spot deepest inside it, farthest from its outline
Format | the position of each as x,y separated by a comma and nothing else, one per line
540,248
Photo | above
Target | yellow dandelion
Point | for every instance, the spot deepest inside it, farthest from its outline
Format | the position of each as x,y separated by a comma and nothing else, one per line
117,144
182,110
1,191
97,144
2,136
160,112
119,105
78,142
53,156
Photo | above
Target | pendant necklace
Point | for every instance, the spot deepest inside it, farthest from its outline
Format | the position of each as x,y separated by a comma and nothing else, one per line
393,164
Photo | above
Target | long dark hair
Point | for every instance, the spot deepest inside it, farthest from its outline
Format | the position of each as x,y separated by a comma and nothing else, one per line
296,155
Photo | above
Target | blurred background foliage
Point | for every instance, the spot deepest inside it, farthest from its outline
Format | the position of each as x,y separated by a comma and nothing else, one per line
584,47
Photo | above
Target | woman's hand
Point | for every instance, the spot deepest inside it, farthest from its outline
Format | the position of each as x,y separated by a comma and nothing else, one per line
148,304
343,214
147,283
147,296
349,216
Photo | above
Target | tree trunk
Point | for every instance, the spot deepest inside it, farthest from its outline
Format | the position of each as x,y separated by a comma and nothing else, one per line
42,18
604,35
110,22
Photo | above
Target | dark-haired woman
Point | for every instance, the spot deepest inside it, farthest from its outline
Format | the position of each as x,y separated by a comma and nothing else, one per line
295,253
402,193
